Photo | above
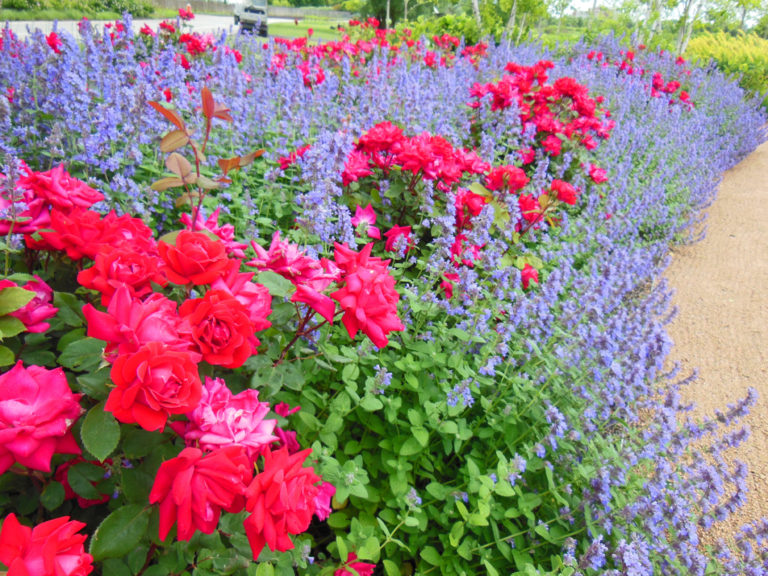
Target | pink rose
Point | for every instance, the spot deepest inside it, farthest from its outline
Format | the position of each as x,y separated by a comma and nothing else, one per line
367,296
57,188
130,323
254,296
360,568
38,309
225,232
37,410
323,501
223,419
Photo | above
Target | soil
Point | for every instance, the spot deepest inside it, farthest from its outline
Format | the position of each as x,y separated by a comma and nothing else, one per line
721,292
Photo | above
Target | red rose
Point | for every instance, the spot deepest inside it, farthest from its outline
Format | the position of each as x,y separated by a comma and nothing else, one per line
122,267
565,192
152,384
529,274
192,489
78,232
281,501
53,548
221,328
195,258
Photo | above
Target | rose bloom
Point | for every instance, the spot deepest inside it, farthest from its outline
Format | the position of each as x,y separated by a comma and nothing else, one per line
367,296
529,274
130,323
222,419
360,568
221,328
195,258
36,310
225,232
37,410
122,267
151,384
78,232
53,548
394,235
23,212
281,500
253,296
565,191
59,189
323,500
597,174
193,488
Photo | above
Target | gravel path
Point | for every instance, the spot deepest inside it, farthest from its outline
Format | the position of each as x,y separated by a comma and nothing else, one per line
721,291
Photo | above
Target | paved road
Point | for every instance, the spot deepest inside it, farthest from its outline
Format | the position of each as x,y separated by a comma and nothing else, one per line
202,23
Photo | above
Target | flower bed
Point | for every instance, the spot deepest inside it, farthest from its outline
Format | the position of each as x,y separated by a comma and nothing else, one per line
384,302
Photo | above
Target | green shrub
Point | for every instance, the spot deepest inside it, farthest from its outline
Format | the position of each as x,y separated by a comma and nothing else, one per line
742,55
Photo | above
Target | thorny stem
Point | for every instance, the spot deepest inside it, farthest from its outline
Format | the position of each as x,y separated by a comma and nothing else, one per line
150,553
300,331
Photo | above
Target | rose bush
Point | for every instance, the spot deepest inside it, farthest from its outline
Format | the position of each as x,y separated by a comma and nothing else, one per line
467,357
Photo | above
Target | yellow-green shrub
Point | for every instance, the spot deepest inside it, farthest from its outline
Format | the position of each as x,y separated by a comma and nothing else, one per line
744,55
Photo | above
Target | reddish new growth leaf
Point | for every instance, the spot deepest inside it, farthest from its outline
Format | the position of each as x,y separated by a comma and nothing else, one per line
171,115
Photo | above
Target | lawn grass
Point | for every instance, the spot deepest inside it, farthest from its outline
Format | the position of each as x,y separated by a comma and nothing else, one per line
322,28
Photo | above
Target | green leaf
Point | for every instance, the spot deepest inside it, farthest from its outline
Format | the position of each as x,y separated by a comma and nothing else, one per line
431,555
120,532
136,485
6,356
115,567
421,435
83,355
457,531
370,549
138,443
391,568
276,284
81,477
410,447
10,326
94,384
343,550
370,403
491,571
70,309
14,298
53,496
265,569
100,432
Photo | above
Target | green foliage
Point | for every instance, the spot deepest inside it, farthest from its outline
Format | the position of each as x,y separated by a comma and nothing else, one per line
139,8
459,25
744,56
